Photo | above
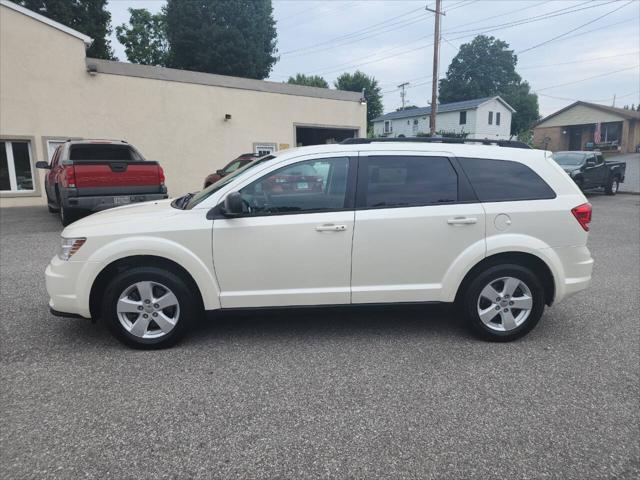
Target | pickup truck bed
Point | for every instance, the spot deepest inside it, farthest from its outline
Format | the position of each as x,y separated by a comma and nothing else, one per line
87,176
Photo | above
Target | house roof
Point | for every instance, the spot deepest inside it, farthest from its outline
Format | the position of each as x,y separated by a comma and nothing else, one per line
52,23
628,114
186,76
442,108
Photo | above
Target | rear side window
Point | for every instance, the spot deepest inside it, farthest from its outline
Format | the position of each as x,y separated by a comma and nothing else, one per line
406,181
120,153
504,180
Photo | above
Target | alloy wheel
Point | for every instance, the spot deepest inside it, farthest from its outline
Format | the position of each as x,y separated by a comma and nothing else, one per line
505,304
148,310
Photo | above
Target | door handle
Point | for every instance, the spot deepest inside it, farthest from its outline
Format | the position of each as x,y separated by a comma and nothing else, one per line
330,227
462,221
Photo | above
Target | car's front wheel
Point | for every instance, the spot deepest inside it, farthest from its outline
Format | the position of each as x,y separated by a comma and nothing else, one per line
613,186
149,307
504,302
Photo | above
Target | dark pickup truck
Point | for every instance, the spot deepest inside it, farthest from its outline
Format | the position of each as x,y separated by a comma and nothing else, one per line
91,175
590,170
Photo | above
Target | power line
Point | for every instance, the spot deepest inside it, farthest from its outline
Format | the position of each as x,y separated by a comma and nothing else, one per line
521,22
574,29
588,78
356,33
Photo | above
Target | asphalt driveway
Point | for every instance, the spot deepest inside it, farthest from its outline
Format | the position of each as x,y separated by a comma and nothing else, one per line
380,393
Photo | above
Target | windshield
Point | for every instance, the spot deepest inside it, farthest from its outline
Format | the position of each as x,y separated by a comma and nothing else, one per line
569,158
214,187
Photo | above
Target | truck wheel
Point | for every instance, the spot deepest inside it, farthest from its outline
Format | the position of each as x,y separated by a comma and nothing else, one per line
504,302
149,307
52,209
67,215
613,186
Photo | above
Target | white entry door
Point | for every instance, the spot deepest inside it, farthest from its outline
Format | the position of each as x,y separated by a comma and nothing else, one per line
293,244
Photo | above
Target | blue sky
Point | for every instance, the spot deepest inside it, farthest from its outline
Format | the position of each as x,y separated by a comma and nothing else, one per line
592,54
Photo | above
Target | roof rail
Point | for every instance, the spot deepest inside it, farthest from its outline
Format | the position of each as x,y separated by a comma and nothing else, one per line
483,141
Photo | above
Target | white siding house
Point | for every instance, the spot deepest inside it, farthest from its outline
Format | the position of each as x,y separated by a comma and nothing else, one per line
481,118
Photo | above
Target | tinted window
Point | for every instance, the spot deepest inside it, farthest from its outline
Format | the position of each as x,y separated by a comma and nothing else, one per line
502,180
313,185
398,181
120,153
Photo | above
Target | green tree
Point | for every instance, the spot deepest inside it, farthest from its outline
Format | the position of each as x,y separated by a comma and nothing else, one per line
145,38
486,67
308,80
86,16
407,107
228,37
357,82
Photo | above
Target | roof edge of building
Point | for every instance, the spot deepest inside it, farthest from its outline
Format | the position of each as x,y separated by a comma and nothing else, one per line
458,106
111,67
52,23
628,114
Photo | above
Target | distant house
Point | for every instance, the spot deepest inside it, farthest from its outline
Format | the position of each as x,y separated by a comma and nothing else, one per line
488,117
587,126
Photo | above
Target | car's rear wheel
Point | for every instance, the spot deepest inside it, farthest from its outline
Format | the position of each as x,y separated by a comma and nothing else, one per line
149,307
504,302
613,186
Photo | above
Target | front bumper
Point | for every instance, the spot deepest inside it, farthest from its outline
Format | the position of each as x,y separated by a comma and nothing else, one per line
62,285
98,203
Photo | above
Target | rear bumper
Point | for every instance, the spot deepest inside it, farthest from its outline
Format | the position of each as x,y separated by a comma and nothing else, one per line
98,203
577,266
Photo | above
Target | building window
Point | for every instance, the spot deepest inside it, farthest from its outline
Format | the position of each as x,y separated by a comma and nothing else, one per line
463,118
52,145
16,174
388,126
262,149
497,118
490,118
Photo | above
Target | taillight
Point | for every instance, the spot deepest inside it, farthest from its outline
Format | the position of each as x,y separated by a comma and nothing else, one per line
583,215
161,174
70,173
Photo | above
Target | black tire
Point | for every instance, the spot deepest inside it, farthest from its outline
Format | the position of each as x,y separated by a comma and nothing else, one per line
612,187
52,209
470,302
187,304
67,215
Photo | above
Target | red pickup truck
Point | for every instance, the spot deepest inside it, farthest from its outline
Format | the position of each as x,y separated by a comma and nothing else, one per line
92,175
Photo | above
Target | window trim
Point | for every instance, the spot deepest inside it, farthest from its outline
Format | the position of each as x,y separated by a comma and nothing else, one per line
36,192
350,193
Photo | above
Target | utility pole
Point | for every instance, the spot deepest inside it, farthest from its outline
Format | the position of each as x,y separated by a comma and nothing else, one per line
436,58
614,100
403,93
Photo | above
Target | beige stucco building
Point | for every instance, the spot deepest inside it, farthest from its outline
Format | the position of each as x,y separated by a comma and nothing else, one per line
574,128
192,123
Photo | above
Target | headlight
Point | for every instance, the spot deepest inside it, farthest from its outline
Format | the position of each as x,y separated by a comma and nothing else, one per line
69,246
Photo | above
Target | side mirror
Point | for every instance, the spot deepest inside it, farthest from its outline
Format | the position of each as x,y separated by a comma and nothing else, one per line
591,162
220,172
44,165
233,205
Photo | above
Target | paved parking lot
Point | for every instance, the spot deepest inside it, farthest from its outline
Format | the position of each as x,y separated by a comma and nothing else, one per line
384,393
632,175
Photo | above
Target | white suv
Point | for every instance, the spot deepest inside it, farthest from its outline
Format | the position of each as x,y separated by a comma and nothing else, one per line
499,231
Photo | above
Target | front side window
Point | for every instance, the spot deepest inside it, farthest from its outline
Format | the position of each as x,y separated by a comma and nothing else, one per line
406,181
504,180
233,166
311,186
16,174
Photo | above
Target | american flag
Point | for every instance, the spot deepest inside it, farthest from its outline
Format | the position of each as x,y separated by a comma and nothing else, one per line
597,135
